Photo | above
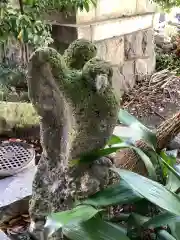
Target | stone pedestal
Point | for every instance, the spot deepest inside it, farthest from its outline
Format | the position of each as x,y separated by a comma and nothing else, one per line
122,32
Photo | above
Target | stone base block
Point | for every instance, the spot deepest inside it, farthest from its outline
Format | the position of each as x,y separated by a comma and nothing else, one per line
128,71
139,44
144,67
111,50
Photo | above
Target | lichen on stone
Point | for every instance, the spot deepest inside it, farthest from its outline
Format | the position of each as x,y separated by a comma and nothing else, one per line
78,111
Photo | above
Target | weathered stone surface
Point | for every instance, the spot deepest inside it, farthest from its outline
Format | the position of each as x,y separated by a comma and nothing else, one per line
120,27
115,9
144,6
128,71
144,67
151,63
85,17
141,68
100,30
139,44
148,42
133,45
118,82
111,50
15,192
79,112
161,39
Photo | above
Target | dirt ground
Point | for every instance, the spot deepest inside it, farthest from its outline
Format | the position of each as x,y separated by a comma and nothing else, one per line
155,99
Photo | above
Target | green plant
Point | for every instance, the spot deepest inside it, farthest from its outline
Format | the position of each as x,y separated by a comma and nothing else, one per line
26,22
168,61
13,75
167,5
25,27
155,208
13,82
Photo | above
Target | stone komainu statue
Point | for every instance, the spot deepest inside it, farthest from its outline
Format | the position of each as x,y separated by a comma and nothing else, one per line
74,97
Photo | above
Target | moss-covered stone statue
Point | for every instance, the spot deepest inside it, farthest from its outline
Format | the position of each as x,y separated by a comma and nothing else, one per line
73,95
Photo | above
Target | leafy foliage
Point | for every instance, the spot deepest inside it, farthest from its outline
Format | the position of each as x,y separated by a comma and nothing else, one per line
25,27
61,5
154,211
13,84
168,61
25,22
79,214
13,75
167,5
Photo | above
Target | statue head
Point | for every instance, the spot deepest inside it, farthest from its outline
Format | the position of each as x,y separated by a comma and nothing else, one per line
98,73
78,53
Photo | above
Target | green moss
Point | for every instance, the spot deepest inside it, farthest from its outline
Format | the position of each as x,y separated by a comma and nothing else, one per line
78,53
81,85
94,67
87,91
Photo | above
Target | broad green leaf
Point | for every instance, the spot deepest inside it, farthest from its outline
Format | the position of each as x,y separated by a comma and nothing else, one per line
80,213
175,229
114,140
173,183
90,157
171,169
134,225
86,6
120,193
169,158
143,132
94,229
151,190
94,2
158,166
164,235
137,220
126,118
161,219
146,160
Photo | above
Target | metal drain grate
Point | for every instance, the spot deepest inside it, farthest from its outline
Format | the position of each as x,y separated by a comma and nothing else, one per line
14,156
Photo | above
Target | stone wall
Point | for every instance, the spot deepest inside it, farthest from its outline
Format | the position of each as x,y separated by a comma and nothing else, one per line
123,33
